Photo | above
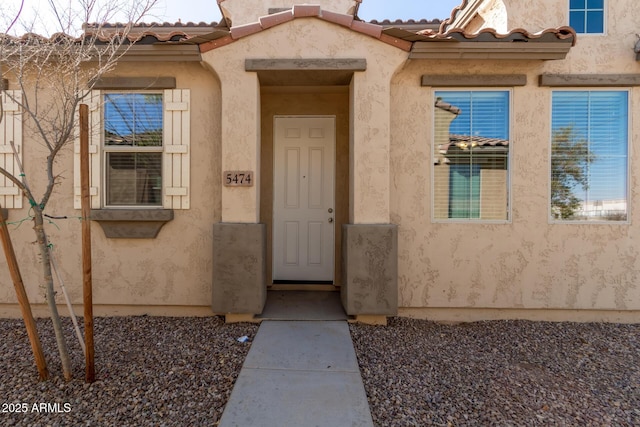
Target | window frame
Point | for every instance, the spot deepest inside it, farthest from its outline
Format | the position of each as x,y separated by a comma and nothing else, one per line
555,221
586,9
509,158
107,149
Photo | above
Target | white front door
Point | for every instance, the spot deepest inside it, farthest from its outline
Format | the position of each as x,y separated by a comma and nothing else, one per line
303,201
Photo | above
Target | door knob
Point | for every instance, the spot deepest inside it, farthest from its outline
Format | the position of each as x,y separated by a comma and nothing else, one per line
330,219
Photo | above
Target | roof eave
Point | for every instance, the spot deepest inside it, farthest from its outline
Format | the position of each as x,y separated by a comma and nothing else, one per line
161,52
530,50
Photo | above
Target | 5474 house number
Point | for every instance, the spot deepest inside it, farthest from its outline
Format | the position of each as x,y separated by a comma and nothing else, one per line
237,178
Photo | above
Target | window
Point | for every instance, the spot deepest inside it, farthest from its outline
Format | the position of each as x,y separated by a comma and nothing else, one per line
587,16
589,155
471,155
133,149
139,149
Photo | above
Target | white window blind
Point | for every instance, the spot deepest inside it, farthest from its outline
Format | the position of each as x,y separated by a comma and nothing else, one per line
471,155
589,155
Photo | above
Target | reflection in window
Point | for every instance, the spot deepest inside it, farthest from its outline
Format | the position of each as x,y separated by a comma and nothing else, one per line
133,149
471,155
587,16
464,189
589,154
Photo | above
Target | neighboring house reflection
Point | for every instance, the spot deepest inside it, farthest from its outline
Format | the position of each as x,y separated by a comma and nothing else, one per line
470,172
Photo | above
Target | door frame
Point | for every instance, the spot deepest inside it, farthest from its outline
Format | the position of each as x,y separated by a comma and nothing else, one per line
272,242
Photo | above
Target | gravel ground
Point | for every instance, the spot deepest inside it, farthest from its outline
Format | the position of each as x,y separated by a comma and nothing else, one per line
151,371
504,373
180,371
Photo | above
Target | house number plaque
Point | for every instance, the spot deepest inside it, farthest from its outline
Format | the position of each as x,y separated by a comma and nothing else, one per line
238,178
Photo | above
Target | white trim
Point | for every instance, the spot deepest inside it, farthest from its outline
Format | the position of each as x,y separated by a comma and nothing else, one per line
106,149
550,219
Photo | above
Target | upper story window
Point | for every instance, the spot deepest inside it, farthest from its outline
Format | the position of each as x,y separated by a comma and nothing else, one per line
471,155
589,155
139,149
587,16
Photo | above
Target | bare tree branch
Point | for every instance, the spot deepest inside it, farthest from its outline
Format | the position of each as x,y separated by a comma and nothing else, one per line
15,19
55,74
16,181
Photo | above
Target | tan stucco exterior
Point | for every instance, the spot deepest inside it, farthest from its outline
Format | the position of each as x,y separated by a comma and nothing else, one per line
527,263
174,268
521,267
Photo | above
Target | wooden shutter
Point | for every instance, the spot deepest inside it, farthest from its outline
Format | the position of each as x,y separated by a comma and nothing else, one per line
94,102
176,139
11,131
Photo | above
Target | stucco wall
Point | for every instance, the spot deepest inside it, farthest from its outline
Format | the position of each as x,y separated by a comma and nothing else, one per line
174,268
534,15
608,54
537,15
527,263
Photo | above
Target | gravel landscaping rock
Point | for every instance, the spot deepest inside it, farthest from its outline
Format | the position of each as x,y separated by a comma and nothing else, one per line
157,371
506,373
180,371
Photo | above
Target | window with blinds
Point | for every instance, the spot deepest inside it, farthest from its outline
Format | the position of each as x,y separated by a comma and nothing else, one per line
471,155
133,126
589,155
587,16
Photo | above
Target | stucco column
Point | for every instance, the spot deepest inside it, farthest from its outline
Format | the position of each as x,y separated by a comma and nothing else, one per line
370,242
240,139
370,146
239,252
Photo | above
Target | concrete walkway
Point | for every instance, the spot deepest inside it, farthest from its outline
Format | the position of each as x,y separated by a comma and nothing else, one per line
299,373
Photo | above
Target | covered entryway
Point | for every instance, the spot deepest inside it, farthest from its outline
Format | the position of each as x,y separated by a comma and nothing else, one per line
247,247
305,171
303,201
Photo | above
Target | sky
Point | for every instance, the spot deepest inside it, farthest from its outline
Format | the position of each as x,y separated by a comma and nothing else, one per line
207,10
189,10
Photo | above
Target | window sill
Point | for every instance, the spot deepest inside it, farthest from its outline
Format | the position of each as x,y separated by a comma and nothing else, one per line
131,223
